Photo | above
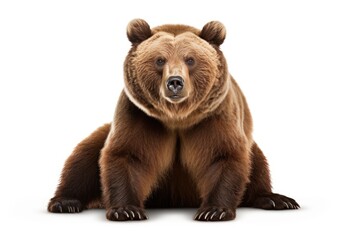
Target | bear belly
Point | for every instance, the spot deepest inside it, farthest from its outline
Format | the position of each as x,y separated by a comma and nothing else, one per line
175,190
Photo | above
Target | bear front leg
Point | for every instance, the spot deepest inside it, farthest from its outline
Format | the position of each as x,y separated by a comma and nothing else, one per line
126,182
222,186
138,151
218,159
128,176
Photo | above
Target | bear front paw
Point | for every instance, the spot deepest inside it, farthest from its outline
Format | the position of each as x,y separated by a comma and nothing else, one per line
215,214
63,205
126,213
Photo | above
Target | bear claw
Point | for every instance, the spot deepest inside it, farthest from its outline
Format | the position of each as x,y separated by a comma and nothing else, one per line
126,213
275,202
61,205
214,214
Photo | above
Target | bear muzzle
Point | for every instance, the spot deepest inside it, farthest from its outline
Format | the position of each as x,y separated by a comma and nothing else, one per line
175,89
175,84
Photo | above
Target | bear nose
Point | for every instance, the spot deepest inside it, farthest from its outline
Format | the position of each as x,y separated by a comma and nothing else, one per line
175,84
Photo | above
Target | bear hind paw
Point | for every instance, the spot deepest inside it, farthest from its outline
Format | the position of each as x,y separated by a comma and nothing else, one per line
275,202
62,205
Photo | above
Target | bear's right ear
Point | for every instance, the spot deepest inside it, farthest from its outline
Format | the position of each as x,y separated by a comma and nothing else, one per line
138,30
213,32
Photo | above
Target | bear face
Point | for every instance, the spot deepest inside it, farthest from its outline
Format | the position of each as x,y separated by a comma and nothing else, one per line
176,72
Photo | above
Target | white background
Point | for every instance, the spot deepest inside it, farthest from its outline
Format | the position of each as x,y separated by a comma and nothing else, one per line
298,63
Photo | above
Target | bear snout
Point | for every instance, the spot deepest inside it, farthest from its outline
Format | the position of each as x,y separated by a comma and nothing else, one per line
175,84
175,90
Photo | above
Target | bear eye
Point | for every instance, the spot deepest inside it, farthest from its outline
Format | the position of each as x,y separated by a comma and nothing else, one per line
190,61
160,62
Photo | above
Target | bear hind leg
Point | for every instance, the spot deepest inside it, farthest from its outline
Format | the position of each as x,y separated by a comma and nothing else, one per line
258,193
80,180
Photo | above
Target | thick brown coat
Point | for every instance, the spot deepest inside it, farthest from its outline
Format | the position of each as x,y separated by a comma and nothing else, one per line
189,147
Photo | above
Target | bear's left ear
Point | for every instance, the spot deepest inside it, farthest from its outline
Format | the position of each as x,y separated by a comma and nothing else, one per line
214,32
138,30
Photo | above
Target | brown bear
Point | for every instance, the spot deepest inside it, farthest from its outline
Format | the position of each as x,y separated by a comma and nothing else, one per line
181,136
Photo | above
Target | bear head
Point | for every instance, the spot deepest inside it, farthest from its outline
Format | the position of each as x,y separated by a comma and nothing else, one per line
176,73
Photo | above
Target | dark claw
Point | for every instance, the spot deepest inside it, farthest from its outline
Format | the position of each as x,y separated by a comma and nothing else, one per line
214,214
274,202
126,213
62,205
132,214
222,215
206,215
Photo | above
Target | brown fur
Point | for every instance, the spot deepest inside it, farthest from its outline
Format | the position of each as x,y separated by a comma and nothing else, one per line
164,149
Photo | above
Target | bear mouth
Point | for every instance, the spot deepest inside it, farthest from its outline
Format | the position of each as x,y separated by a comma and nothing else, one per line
175,98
